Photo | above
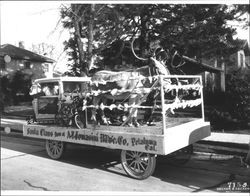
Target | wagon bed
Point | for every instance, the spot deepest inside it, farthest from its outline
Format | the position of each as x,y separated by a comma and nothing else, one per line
139,145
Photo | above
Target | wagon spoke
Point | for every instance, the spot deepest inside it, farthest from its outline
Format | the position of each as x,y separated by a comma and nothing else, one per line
50,145
137,167
53,151
144,162
130,154
134,167
50,148
142,166
57,150
130,165
58,145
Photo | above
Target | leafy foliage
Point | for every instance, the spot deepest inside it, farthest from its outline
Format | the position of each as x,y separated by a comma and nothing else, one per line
238,94
232,107
196,29
15,87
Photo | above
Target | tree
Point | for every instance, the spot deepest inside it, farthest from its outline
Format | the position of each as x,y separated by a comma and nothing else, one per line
43,49
199,30
93,27
196,30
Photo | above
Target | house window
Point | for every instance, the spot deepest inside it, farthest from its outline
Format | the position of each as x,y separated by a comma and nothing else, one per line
45,68
241,60
27,65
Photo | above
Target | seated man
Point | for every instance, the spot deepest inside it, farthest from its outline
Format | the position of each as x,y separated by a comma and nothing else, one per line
49,90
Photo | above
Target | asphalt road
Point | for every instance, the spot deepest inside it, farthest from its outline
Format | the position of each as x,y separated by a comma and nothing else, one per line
26,166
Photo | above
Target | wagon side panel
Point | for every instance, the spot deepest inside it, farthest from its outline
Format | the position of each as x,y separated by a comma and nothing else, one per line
185,134
123,140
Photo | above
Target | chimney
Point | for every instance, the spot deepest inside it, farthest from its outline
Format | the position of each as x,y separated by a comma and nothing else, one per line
21,44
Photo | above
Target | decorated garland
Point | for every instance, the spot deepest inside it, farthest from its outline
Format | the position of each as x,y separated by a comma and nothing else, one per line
124,106
177,103
182,104
167,88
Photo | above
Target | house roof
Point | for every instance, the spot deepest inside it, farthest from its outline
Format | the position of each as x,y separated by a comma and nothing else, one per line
243,44
23,54
192,66
238,44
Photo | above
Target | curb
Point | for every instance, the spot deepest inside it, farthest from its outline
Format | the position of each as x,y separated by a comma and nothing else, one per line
221,148
229,138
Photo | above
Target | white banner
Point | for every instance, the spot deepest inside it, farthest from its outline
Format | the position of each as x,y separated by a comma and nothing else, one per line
115,140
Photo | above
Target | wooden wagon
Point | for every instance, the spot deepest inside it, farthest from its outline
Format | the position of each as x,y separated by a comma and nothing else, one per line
176,126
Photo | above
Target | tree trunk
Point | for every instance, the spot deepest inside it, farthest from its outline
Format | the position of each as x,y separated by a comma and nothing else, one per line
91,34
144,33
76,21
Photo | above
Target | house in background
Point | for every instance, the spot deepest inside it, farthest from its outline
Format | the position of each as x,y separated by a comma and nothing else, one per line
214,81
238,59
14,58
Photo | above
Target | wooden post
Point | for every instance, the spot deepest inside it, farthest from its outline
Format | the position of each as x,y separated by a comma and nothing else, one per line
202,101
247,160
222,77
163,106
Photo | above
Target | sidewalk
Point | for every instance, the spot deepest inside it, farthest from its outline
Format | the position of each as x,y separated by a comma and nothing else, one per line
229,138
13,124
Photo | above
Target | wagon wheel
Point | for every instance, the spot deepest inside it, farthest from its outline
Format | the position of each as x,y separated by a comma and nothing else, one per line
138,165
181,156
55,149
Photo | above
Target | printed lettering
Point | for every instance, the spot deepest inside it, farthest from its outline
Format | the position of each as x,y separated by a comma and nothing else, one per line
110,139
45,133
78,136
58,134
32,131
150,145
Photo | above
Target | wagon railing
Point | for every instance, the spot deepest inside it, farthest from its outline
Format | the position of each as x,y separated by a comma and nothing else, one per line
179,86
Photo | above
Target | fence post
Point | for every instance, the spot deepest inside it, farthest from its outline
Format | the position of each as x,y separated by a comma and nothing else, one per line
247,160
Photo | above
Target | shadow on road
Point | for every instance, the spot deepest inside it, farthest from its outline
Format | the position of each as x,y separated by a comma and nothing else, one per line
194,174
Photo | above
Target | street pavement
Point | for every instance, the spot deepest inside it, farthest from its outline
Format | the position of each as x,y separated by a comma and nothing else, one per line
25,166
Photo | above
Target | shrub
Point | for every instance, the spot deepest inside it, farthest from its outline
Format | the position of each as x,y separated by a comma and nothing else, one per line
238,94
15,88
231,109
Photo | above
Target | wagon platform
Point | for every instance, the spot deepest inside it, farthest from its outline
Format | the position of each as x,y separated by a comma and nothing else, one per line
179,133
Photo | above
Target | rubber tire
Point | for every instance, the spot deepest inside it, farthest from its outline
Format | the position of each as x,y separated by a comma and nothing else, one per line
142,175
